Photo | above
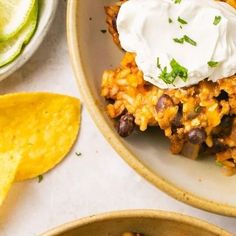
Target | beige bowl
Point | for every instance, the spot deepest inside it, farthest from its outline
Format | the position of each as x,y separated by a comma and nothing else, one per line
198,183
150,223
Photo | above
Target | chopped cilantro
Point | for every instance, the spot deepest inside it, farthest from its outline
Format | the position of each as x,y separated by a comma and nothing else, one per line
170,20
217,20
158,63
177,1
177,71
40,178
186,39
182,21
166,77
181,40
218,163
212,63
197,109
189,40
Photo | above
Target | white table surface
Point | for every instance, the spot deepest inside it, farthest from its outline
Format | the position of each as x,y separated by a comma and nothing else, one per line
98,181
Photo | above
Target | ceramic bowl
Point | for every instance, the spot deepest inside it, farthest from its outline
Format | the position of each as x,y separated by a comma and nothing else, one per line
199,183
149,223
47,9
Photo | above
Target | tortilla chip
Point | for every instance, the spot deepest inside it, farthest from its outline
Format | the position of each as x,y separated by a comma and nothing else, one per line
41,126
9,163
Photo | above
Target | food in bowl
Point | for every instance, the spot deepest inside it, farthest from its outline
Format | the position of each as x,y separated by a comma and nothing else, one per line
18,22
178,73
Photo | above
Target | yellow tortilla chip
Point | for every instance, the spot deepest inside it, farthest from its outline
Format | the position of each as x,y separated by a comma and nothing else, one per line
9,163
40,126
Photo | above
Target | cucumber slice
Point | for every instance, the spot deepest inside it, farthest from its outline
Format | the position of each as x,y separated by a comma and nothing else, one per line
13,16
11,48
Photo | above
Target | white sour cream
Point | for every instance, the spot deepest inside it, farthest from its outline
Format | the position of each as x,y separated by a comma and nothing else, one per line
149,27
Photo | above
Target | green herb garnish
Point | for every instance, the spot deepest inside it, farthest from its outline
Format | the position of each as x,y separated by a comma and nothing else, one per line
177,71
182,21
212,63
217,20
186,39
158,63
166,77
177,1
40,178
180,40
170,20
218,163
197,109
189,40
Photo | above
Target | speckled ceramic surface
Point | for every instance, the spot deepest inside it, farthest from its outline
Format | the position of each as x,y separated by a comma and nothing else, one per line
47,10
149,223
199,183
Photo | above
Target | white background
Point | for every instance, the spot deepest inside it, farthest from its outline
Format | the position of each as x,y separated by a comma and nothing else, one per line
98,181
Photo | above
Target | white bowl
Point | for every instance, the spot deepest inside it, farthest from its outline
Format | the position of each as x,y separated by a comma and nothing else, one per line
47,9
199,183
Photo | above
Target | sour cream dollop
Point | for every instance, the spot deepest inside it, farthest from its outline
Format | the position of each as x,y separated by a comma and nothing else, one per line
179,43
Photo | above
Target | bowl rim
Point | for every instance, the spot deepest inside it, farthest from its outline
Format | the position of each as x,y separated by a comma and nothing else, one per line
97,115
32,46
142,213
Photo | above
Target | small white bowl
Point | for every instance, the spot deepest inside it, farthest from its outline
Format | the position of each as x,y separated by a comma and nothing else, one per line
47,9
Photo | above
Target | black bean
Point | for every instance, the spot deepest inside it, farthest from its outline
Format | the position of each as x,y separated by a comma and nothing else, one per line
204,149
218,146
224,128
176,122
110,100
164,102
147,86
227,124
197,136
222,96
126,125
